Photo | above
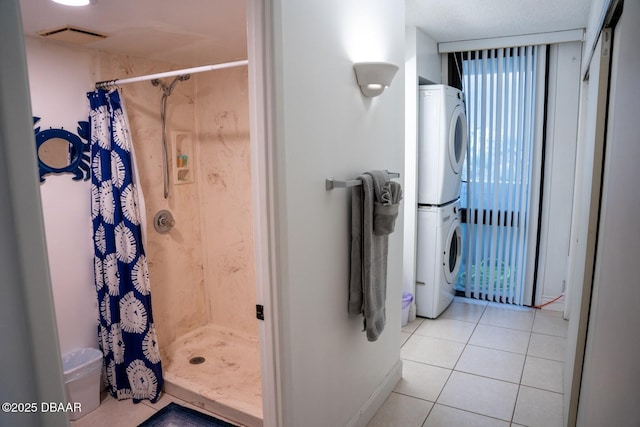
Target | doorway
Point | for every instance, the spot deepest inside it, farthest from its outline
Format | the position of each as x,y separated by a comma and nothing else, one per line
501,178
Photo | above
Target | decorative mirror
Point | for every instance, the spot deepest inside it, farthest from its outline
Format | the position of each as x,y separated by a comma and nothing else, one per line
60,151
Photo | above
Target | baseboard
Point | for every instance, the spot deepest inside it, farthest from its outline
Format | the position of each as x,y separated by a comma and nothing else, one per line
378,397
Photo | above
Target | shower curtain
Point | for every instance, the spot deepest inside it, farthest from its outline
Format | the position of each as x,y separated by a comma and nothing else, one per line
126,332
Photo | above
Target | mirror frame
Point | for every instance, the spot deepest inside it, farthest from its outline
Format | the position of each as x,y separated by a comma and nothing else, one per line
79,163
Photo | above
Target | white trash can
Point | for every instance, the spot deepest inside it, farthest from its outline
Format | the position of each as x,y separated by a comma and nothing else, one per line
82,370
407,298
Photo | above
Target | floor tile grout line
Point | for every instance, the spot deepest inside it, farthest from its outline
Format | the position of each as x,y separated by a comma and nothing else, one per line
519,382
450,370
412,396
466,344
515,404
542,389
468,339
463,350
427,416
549,335
510,421
419,398
456,363
472,412
544,358
489,378
523,366
505,327
497,349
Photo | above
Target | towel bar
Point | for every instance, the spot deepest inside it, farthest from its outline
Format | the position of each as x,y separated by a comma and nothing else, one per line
331,183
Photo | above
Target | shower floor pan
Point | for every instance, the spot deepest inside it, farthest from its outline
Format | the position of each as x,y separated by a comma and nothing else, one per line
227,382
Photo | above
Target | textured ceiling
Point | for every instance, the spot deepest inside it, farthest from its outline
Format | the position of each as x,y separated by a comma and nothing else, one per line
185,32
456,20
199,32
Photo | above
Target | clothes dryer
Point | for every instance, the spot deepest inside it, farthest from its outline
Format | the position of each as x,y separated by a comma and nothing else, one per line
442,144
439,255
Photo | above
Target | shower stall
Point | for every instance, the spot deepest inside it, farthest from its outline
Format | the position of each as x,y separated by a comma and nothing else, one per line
202,268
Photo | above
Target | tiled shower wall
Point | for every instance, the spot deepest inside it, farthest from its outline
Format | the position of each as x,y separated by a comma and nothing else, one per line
222,123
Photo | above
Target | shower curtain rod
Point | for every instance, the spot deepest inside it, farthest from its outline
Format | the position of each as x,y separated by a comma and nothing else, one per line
106,83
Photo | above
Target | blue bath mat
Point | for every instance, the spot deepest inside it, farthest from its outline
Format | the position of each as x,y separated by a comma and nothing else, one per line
174,415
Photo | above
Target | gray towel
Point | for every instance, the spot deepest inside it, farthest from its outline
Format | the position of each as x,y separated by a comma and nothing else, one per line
368,281
387,200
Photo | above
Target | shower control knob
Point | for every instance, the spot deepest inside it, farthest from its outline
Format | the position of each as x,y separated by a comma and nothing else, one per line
163,221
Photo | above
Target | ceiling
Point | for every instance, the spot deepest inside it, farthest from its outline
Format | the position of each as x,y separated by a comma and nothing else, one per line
199,32
456,20
184,32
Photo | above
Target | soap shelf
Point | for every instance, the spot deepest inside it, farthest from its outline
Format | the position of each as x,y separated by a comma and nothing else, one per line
182,157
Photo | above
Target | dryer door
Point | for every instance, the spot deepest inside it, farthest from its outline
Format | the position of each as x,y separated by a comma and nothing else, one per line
457,138
452,255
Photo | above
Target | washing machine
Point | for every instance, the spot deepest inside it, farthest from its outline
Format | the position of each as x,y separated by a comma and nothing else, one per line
442,143
438,257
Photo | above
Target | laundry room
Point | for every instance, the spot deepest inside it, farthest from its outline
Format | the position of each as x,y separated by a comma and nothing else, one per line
491,144
498,155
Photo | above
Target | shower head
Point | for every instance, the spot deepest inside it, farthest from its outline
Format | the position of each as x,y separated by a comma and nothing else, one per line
166,92
167,89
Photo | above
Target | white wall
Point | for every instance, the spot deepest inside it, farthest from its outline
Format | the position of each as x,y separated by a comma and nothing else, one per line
611,374
325,127
429,60
62,102
421,60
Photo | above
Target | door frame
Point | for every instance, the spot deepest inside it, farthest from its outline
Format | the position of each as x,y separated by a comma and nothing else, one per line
579,296
29,323
261,112
531,233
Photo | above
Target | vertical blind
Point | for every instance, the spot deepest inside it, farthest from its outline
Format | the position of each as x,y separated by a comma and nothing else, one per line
500,89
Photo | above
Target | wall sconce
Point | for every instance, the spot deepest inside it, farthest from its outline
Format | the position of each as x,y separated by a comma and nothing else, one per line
374,77
75,2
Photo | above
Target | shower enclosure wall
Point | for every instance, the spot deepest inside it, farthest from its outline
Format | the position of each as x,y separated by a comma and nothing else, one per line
202,271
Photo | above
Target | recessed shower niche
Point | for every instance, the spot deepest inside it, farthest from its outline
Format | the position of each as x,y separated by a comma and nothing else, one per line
183,157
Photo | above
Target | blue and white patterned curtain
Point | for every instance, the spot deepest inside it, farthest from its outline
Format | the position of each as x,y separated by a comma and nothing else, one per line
127,335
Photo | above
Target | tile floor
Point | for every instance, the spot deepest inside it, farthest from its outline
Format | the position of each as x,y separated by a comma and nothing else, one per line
480,364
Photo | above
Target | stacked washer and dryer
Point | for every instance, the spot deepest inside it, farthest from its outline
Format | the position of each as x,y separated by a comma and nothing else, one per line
442,147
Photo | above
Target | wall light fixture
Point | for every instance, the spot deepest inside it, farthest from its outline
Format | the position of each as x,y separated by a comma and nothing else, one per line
374,77
74,2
